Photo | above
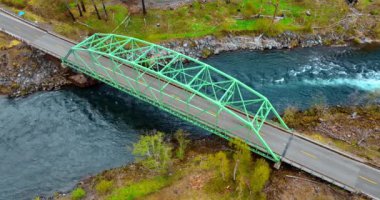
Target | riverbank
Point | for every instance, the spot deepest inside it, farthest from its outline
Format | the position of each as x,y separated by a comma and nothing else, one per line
24,70
193,178
200,51
237,36
202,28
353,129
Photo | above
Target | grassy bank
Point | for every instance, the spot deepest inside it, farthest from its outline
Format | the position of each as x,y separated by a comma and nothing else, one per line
207,171
353,129
200,19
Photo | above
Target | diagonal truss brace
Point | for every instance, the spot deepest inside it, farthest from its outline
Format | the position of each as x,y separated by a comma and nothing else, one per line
228,94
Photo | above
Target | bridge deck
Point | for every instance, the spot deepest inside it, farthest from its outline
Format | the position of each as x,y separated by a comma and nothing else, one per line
308,156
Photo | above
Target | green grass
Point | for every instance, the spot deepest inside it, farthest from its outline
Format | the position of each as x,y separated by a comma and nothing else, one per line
215,18
212,18
78,194
119,12
140,189
15,3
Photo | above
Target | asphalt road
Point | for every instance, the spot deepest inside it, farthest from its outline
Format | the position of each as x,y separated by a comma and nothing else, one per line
308,156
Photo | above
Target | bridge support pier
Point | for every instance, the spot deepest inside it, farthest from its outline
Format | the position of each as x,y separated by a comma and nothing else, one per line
277,165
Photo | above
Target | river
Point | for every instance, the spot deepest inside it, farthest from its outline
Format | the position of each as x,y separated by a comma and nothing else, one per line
50,140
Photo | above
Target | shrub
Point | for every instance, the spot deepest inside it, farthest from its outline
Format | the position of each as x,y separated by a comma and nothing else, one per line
78,194
248,8
221,163
180,136
153,152
242,166
264,25
104,186
290,116
259,176
250,180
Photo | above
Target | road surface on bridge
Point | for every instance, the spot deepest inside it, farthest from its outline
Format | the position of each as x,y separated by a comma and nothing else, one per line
303,154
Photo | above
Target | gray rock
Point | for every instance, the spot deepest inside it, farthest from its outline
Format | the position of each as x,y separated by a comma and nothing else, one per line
230,42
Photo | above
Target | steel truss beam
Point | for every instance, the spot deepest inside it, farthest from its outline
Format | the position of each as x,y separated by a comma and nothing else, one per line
107,56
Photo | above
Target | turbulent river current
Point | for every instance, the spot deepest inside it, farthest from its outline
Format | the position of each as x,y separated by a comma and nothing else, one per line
50,140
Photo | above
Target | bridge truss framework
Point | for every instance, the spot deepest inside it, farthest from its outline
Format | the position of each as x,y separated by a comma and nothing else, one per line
195,78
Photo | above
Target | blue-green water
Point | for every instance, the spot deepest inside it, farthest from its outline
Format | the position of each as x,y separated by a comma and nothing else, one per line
303,77
50,140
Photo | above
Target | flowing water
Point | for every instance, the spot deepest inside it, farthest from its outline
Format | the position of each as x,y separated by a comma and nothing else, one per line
50,140
303,77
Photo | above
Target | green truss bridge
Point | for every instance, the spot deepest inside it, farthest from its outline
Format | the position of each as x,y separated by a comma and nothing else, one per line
198,93
181,85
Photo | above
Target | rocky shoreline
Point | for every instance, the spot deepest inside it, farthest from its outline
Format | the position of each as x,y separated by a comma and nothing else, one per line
211,45
348,34
24,70
34,71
